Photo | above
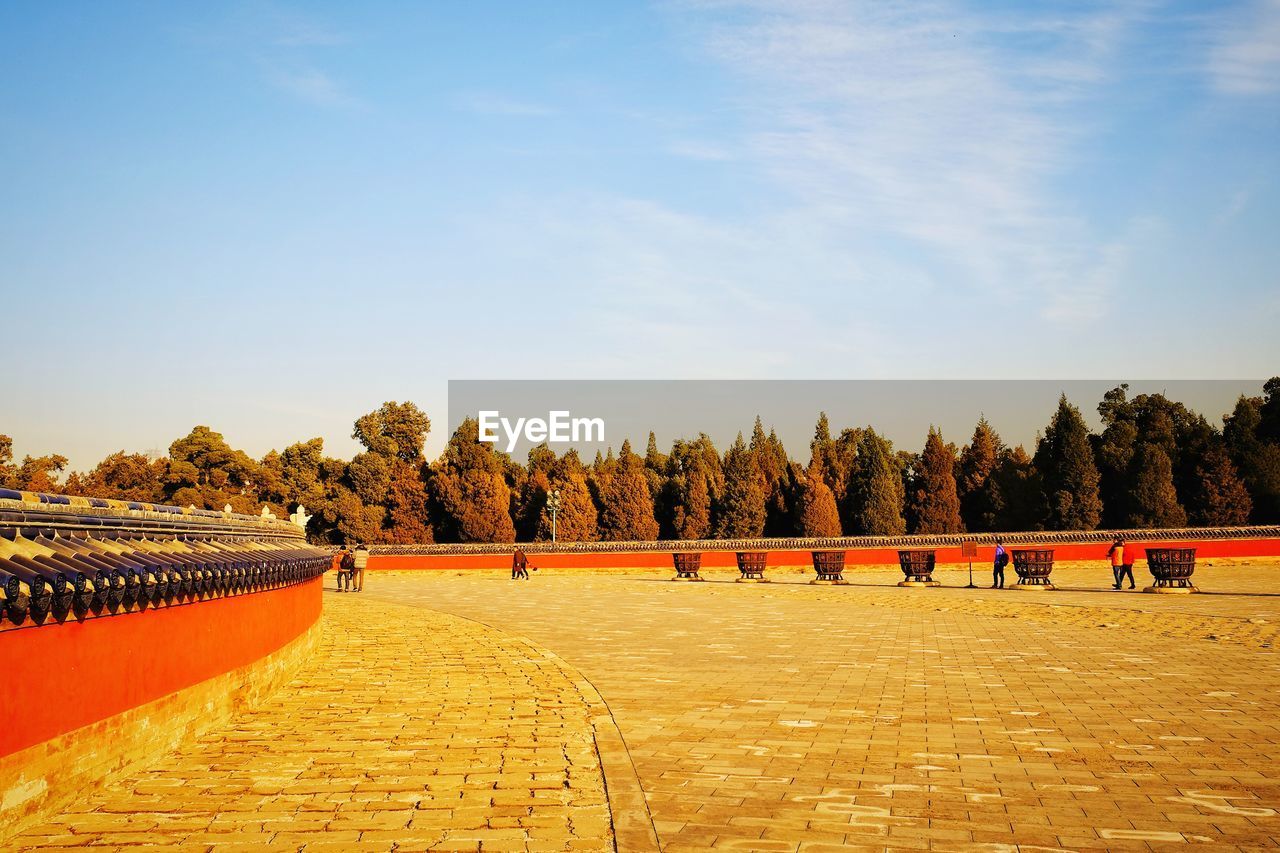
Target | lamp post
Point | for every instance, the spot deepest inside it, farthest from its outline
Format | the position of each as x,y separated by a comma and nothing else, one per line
553,504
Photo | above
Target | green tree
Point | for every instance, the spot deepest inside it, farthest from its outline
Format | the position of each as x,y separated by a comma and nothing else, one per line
688,496
600,479
357,522
834,456
816,506
1153,501
1182,434
981,502
300,469
1113,454
935,504
302,475
577,519
123,476
1220,499
1269,412
1069,477
775,469
395,430
1017,485
876,493
35,474
408,504
533,490
369,476
468,484
203,458
626,513
1257,459
742,507
692,487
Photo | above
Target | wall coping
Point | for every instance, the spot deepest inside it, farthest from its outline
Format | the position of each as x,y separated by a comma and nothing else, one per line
55,572
40,509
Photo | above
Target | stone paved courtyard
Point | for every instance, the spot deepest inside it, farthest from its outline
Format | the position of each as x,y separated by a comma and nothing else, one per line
756,717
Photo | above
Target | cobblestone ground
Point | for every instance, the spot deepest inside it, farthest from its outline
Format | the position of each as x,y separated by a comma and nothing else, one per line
411,728
791,717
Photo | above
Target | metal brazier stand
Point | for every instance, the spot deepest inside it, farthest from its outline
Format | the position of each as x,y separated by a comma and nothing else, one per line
687,565
918,568
830,567
1033,565
751,566
1172,569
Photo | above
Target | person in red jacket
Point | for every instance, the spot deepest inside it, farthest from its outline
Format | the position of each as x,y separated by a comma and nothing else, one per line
1117,562
1126,567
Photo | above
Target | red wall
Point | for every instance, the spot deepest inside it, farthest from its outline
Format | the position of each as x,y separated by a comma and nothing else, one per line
1206,549
58,678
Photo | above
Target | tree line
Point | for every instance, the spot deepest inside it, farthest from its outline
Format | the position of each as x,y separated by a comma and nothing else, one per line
1156,463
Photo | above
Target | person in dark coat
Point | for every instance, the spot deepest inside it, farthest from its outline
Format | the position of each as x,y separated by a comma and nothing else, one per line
997,567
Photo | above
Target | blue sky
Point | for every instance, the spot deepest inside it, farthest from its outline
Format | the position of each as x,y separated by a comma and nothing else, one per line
271,217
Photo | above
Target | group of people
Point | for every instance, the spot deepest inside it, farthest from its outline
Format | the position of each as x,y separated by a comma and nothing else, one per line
351,566
1121,564
520,566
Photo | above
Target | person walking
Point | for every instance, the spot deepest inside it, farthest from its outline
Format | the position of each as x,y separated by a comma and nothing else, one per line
336,563
519,565
346,566
1116,553
359,561
1126,567
997,567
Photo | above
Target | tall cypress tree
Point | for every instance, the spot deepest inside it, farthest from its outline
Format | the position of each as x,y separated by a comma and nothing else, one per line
1017,486
935,506
469,484
655,464
1153,501
408,505
774,466
694,486
1257,459
1069,477
742,509
980,498
875,488
577,519
626,513
816,506
531,495
691,506
1113,454
1220,498
822,448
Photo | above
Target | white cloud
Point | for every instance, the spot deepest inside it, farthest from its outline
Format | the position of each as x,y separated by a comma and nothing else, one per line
1245,55
934,125
491,103
695,149
313,86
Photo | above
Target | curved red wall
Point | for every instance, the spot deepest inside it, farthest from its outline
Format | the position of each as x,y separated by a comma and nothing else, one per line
58,678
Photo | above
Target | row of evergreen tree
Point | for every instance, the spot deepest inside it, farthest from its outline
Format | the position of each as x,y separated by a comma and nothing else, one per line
1156,463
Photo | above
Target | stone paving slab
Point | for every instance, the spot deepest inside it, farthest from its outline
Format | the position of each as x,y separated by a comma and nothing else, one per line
790,717
410,730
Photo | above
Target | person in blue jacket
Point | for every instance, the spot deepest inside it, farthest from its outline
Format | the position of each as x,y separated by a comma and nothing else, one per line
997,568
